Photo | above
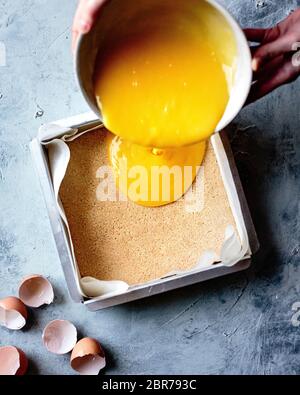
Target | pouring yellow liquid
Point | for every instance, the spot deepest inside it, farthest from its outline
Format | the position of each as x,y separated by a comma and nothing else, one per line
162,89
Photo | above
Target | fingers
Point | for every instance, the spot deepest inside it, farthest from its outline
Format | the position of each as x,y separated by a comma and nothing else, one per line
275,60
270,68
85,17
77,23
285,73
89,13
263,36
271,50
255,35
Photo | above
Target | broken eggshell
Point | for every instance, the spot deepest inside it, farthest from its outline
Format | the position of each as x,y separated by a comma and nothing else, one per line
60,337
88,357
13,313
13,361
36,291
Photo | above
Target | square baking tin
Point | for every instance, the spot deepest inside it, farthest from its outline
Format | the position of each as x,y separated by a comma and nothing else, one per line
84,122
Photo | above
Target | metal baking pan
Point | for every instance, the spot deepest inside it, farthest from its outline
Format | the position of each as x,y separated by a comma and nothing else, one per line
79,124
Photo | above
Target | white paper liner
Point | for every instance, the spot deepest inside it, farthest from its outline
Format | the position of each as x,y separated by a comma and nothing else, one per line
234,248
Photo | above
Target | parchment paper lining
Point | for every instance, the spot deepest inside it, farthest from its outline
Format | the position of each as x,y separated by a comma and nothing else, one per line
235,246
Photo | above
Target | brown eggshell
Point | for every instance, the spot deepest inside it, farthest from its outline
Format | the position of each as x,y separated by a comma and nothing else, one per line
36,291
88,357
13,361
60,337
13,313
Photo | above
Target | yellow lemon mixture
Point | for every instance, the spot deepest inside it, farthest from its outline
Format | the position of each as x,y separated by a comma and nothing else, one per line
162,88
154,177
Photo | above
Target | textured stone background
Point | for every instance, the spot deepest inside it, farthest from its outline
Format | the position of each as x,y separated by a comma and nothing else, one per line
239,324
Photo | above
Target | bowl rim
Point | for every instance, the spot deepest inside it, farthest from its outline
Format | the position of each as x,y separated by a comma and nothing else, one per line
242,44
80,85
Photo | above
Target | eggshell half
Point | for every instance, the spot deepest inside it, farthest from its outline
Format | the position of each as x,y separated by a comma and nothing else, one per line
60,337
13,313
88,357
36,291
13,361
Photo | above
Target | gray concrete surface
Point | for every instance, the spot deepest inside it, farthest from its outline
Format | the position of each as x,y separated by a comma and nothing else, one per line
240,324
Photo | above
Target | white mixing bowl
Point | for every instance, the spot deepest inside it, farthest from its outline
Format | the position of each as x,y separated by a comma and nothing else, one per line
117,12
